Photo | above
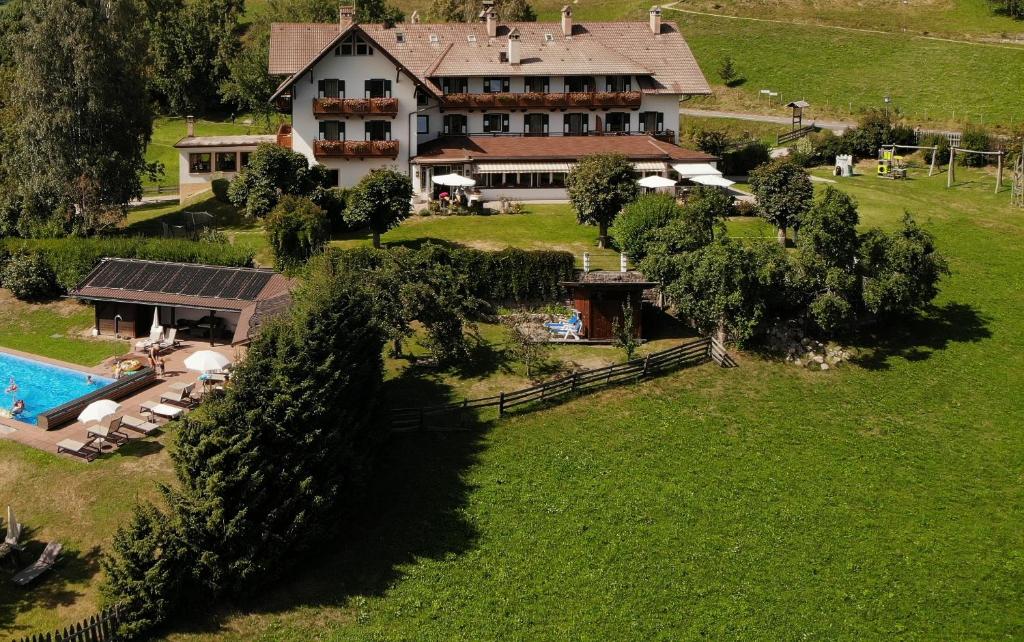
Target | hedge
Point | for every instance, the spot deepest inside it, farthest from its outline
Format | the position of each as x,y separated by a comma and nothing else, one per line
511,275
71,259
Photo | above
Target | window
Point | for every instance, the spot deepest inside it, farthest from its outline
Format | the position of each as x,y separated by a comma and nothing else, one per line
616,121
421,98
399,37
537,84
579,83
378,130
576,124
495,123
354,45
535,124
549,37
455,85
495,85
434,38
332,130
226,161
423,124
199,163
652,121
243,159
331,88
617,83
377,88
333,177
455,124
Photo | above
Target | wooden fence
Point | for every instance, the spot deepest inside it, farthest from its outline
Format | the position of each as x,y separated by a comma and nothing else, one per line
458,416
793,135
98,628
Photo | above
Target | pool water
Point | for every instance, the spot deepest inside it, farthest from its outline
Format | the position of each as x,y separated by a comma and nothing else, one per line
42,386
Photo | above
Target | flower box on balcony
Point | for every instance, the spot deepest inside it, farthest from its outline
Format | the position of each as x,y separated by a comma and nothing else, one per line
506,100
483,100
384,105
531,99
581,99
456,100
556,100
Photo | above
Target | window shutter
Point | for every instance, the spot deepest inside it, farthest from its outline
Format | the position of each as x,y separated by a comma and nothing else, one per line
504,122
565,124
341,130
586,123
661,121
387,126
387,89
341,87
323,129
545,121
505,84
320,88
367,88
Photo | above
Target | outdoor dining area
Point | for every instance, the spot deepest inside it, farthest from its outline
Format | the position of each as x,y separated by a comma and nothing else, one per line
690,175
461,192
110,424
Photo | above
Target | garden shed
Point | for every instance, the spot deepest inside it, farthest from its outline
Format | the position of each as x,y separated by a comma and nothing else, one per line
601,296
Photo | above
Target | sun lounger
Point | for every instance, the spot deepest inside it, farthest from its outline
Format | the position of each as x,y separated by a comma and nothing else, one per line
170,341
78,449
139,425
156,335
110,432
561,324
45,562
179,394
160,409
568,331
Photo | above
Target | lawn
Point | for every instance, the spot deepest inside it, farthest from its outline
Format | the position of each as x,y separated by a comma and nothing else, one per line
879,500
53,330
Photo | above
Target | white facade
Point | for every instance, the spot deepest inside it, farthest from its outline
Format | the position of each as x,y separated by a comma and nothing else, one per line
202,160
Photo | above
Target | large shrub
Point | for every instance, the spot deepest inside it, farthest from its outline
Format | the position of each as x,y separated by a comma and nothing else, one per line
599,186
296,229
976,138
742,160
381,200
274,172
784,192
71,259
901,269
634,227
28,276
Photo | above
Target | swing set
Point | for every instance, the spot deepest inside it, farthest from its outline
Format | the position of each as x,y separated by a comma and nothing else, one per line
951,178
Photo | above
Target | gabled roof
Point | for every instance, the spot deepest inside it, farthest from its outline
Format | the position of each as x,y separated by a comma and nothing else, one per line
225,141
428,51
495,148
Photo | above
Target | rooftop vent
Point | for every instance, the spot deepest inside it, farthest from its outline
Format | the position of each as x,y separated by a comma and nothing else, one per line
471,37
434,38
399,37
549,37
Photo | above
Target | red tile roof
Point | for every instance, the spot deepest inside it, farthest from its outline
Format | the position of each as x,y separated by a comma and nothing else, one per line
464,49
493,148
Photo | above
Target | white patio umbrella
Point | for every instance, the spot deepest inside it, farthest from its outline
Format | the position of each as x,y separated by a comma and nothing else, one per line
655,182
156,320
206,361
99,410
454,180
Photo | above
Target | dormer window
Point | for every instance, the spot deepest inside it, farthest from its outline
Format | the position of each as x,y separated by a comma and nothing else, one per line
353,45
496,85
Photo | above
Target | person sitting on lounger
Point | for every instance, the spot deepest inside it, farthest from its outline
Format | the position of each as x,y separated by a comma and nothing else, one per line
12,386
17,408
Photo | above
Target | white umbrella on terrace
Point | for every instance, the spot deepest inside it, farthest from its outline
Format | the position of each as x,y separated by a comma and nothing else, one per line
453,180
156,327
207,361
99,410
655,182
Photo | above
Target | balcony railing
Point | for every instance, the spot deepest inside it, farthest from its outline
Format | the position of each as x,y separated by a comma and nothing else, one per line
355,106
355,148
536,100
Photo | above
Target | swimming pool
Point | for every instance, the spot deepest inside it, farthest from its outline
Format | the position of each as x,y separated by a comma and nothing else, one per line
42,386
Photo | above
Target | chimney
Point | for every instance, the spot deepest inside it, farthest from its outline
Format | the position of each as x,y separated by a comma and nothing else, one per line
492,23
655,19
515,55
346,15
190,126
623,262
566,21
415,18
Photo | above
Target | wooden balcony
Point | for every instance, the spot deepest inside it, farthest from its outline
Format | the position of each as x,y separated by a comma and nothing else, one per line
325,107
592,100
284,136
355,148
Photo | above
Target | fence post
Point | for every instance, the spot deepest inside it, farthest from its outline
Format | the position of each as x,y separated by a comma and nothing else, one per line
575,380
647,360
501,404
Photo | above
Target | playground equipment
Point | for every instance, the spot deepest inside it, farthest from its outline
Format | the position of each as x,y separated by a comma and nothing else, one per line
951,177
844,165
890,165
898,160
1017,195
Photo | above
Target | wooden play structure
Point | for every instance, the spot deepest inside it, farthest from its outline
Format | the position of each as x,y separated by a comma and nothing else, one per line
892,165
797,128
1017,195
951,177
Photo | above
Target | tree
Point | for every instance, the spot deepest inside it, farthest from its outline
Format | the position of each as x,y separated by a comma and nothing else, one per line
374,11
784,192
1012,8
635,227
976,138
248,85
80,148
515,11
599,186
381,200
712,141
274,172
727,71
449,11
466,10
624,332
827,258
525,342
902,269
296,229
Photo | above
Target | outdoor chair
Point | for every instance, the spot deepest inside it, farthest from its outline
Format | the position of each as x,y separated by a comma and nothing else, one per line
140,426
170,341
45,562
109,432
560,324
179,394
84,451
156,335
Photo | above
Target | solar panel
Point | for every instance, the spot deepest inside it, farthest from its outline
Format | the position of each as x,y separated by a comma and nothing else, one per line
105,275
233,284
255,285
186,280
212,282
179,282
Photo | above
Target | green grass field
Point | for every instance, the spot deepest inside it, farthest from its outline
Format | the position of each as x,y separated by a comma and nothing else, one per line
879,500
53,330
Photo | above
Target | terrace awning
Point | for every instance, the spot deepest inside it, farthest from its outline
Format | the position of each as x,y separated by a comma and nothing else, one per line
649,166
716,181
689,170
512,168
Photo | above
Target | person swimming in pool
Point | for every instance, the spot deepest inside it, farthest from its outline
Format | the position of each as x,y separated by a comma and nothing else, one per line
12,386
17,408
88,380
